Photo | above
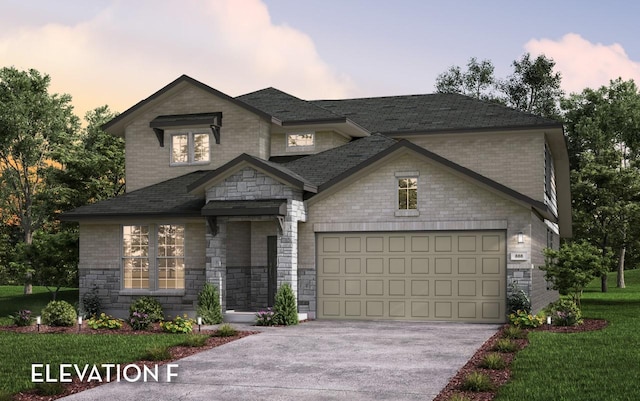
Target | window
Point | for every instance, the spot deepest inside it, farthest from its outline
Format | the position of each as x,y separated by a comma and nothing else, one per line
300,141
153,257
135,256
407,193
190,148
170,256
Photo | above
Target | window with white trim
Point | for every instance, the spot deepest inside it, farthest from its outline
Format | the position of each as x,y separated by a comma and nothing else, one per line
153,257
408,193
302,141
190,148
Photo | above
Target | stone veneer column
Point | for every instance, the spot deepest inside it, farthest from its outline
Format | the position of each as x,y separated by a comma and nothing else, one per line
216,266
288,245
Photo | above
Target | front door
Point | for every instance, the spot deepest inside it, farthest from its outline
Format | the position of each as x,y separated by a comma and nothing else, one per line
272,268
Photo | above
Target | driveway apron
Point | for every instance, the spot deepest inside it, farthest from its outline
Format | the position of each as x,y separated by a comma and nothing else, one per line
318,360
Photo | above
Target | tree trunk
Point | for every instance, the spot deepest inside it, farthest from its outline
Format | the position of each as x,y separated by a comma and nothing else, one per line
28,277
620,278
603,283
603,279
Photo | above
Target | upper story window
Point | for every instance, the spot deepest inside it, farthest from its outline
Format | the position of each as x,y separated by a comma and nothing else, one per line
407,190
190,148
300,141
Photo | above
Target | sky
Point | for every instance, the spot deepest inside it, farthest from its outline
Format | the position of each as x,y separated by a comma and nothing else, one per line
118,52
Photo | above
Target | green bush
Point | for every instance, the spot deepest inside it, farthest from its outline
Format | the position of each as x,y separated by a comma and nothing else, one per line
149,306
59,313
505,345
195,340
285,307
178,325
209,304
157,354
22,318
493,361
91,305
564,312
524,319
513,332
265,318
226,330
518,300
477,382
104,321
139,320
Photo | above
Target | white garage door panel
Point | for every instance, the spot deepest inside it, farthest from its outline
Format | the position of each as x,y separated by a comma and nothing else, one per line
412,276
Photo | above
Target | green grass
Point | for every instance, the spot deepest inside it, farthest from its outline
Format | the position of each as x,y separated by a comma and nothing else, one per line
598,365
12,299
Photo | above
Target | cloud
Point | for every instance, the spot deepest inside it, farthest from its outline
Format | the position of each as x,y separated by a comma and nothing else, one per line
584,64
125,51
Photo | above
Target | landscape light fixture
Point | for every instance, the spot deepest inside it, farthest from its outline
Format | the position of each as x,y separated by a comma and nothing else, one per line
199,323
520,237
79,323
549,320
38,322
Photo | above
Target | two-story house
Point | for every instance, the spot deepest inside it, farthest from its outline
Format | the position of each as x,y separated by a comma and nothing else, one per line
424,207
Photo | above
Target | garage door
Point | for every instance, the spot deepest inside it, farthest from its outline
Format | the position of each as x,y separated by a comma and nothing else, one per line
452,276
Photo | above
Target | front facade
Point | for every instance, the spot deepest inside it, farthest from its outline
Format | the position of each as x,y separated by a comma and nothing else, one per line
427,207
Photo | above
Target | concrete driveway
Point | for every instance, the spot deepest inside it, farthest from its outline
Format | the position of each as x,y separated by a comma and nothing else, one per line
318,360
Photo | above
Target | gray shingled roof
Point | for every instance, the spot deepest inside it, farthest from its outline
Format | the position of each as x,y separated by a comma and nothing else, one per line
322,167
435,112
287,108
168,198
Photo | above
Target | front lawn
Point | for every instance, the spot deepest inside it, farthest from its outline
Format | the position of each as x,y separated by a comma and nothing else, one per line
599,365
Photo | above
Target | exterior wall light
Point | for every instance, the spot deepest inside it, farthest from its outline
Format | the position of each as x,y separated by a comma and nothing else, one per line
520,237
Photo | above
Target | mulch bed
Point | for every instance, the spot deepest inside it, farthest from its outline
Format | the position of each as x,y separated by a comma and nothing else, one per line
500,377
177,352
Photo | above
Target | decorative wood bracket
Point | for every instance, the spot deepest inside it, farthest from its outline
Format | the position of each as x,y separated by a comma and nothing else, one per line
215,129
281,223
212,222
160,134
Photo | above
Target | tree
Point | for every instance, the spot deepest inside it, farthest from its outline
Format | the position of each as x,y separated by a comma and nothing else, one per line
533,87
572,268
478,81
33,123
604,149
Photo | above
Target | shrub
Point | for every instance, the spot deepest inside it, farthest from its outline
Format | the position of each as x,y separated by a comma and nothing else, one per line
48,389
265,318
195,340
22,318
564,312
91,304
178,325
524,319
513,332
139,320
104,321
285,307
148,305
209,304
157,354
493,361
226,330
518,300
478,382
59,313
505,345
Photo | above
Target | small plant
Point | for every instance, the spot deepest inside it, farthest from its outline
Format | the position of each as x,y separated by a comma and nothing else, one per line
493,361
518,300
226,330
148,305
178,325
139,320
91,303
524,319
477,382
156,354
47,389
565,312
195,340
104,321
505,345
59,313
22,318
285,307
265,318
209,304
513,332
